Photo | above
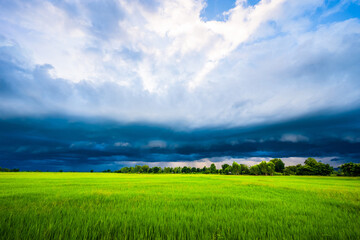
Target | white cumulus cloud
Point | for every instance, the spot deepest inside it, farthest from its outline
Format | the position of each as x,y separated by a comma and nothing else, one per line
162,62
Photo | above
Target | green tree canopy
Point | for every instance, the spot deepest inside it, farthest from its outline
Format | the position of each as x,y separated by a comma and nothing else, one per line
270,168
212,168
235,168
224,166
263,168
255,170
279,164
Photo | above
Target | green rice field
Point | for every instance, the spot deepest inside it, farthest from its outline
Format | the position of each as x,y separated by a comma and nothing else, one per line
161,206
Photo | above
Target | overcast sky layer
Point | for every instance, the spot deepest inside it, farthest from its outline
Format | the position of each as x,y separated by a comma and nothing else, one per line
178,81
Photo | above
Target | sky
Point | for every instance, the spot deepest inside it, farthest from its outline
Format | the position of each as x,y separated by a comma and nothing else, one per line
106,84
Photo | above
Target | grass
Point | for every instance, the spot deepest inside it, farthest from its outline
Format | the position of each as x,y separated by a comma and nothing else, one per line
134,206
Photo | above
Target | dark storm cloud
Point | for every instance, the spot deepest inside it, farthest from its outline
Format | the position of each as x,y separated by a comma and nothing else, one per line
53,143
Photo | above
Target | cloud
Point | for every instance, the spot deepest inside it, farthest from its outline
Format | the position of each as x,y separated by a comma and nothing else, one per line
266,62
293,138
122,144
153,81
157,144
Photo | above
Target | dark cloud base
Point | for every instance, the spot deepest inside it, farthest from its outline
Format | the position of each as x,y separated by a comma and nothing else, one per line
54,143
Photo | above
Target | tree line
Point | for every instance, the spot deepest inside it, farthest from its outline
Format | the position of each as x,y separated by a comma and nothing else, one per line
274,167
9,170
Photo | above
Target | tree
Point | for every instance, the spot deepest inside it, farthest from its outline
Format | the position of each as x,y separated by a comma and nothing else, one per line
271,168
186,169
255,170
290,170
324,169
156,169
235,168
356,171
244,169
8,170
137,168
224,166
350,169
347,168
205,170
193,170
311,167
212,168
305,170
279,164
228,170
311,162
125,170
263,168
145,169
91,170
